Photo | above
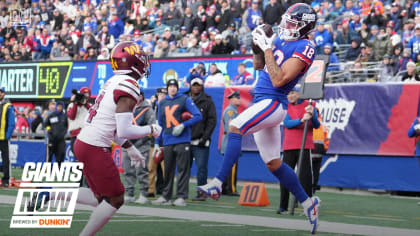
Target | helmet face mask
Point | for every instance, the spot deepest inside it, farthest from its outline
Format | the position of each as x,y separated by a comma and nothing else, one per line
298,21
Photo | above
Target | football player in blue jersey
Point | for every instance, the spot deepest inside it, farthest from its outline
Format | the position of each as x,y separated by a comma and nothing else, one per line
287,57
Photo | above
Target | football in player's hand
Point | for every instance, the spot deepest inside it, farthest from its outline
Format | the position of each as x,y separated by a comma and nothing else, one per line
186,116
158,157
268,30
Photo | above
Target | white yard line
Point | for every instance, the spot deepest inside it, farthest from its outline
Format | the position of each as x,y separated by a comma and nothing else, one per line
373,218
272,222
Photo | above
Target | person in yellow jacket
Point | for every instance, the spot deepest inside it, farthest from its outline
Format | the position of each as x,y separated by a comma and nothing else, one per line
321,142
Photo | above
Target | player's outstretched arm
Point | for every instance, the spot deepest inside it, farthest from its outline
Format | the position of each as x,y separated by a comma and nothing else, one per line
288,71
124,117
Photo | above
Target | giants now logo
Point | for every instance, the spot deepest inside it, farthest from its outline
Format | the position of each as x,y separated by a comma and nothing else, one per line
38,204
335,113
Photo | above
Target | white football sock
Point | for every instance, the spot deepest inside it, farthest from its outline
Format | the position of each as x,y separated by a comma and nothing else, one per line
307,203
100,216
86,197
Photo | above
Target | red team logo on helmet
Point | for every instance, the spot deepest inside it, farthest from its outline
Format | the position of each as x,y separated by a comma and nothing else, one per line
128,58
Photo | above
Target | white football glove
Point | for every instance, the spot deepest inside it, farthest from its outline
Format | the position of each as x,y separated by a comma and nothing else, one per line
136,158
155,149
155,130
261,40
177,130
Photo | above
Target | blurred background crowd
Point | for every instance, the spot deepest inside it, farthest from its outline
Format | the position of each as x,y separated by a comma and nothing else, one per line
381,38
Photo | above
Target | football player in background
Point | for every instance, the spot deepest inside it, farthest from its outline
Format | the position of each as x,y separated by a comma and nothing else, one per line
287,58
109,121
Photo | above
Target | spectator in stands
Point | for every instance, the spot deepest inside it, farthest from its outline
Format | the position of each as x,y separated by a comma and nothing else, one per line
201,132
212,17
395,16
194,48
298,112
55,51
353,51
161,49
414,43
8,116
243,77
349,7
395,57
225,16
322,37
173,50
215,77
105,39
376,17
189,20
91,54
176,138
36,124
252,17
408,31
358,73
382,45
221,46
22,125
87,40
197,71
56,125
344,33
334,64
336,11
45,42
363,56
4,18
401,65
386,70
172,16
8,32
115,25
232,35
273,12
143,116
355,23
205,44
411,75
58,20
104,56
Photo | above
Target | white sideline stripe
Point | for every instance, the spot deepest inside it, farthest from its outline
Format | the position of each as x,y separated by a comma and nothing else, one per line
272,222
63,185
374,218
273,230
135,220
210,205
221,225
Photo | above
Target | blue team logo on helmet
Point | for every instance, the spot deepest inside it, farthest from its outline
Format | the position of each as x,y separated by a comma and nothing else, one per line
298,21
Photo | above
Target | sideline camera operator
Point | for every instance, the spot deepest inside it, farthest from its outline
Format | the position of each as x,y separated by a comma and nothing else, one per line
77,111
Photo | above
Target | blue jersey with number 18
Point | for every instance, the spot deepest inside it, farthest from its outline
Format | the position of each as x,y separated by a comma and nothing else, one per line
302,49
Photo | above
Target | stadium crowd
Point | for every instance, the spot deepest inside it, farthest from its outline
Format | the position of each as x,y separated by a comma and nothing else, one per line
384,32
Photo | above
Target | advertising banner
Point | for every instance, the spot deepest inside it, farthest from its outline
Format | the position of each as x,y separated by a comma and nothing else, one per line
362,119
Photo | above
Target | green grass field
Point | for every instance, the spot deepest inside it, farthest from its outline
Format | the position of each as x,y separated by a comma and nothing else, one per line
373,210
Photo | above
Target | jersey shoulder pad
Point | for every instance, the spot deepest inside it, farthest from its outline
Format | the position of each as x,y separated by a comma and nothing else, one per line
127,87
305,51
